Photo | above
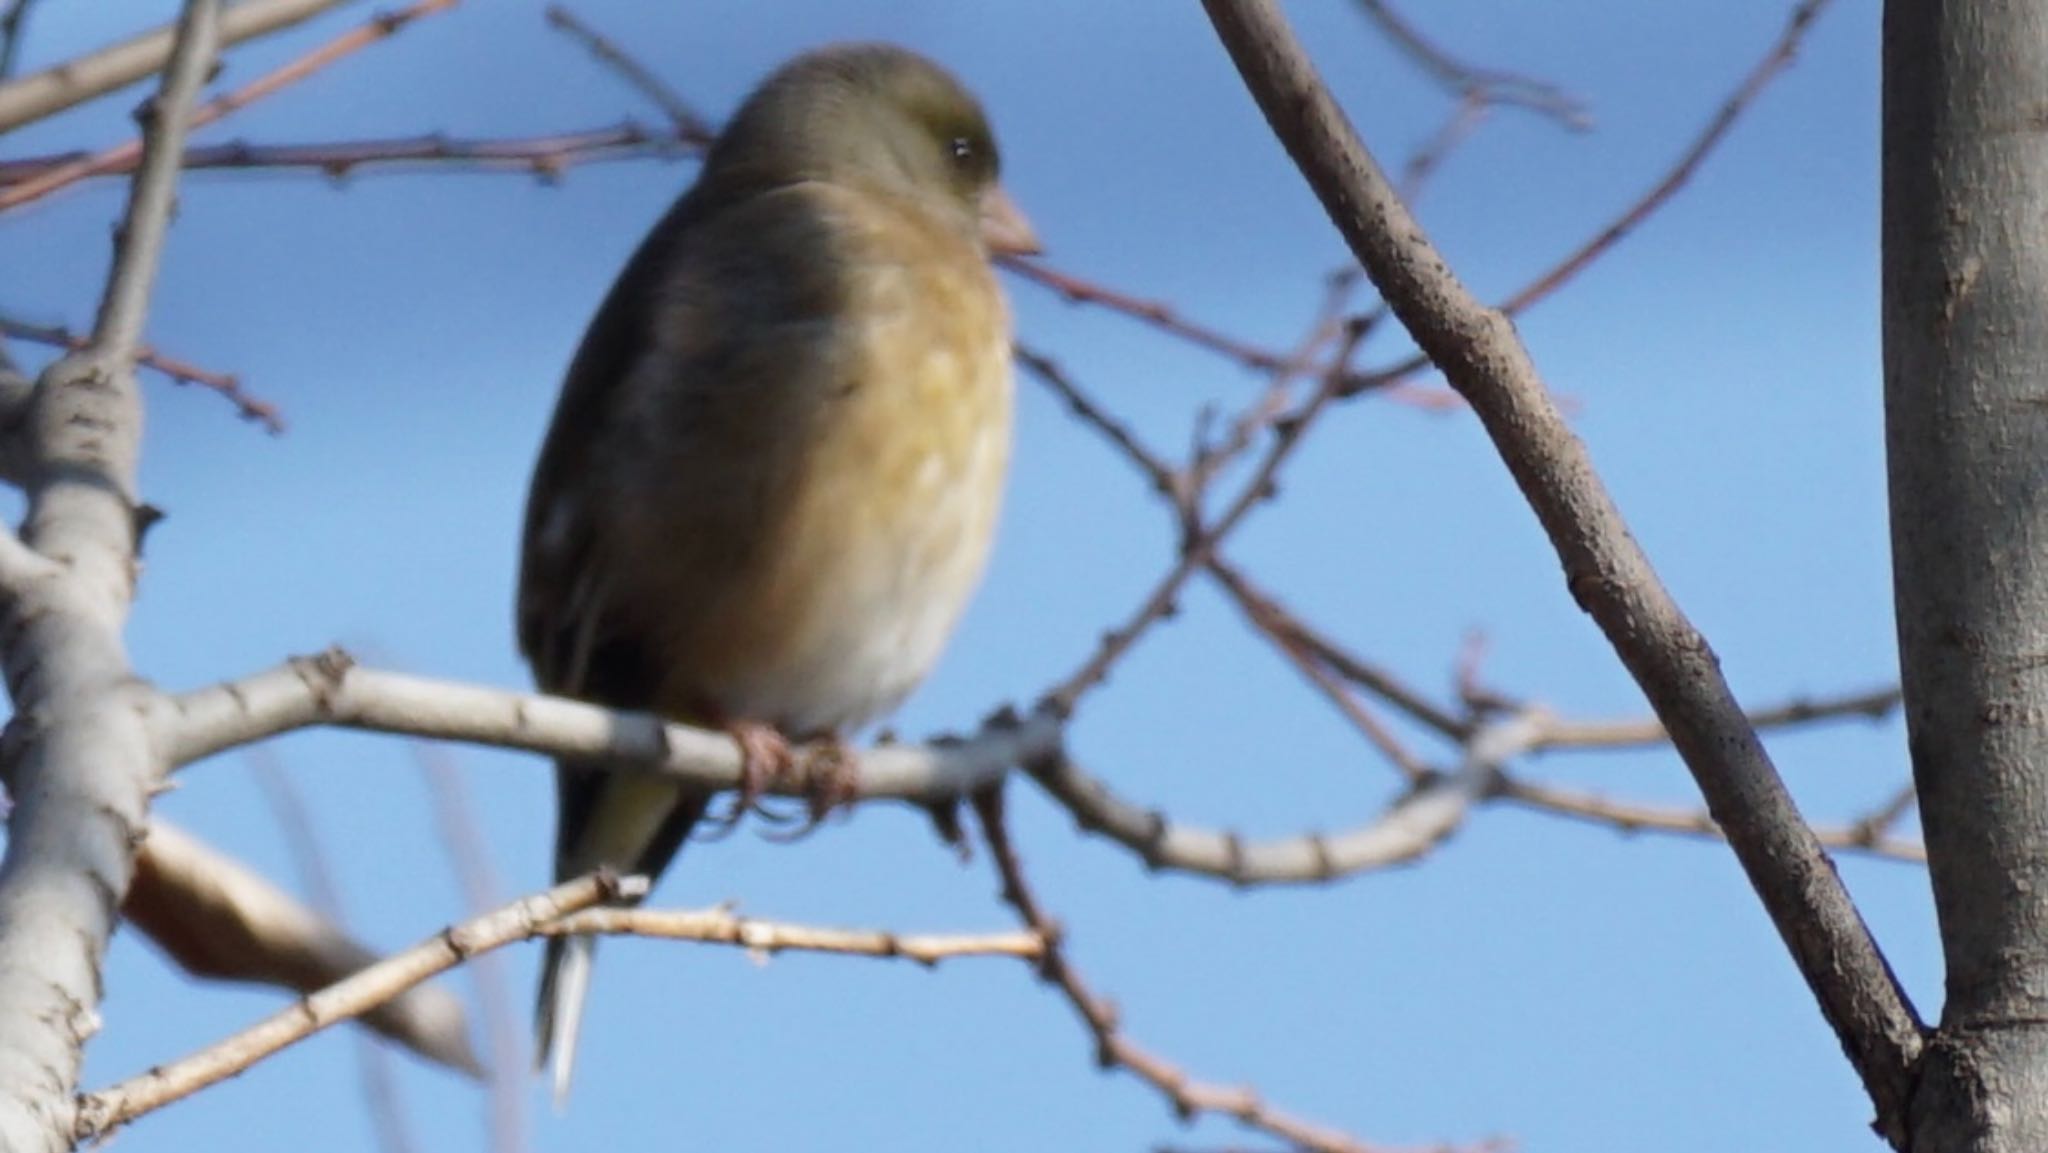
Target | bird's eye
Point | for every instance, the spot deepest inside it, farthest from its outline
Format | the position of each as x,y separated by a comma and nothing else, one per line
962,149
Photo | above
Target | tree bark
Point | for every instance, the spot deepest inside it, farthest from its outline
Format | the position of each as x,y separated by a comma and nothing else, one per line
1966,422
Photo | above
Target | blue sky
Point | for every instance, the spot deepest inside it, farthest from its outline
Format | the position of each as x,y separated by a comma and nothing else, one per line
1561,985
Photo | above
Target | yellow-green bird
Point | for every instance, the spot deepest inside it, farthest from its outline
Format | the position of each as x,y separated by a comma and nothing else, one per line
775,467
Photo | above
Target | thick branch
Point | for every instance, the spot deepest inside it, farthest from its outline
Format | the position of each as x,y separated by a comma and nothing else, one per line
1966,447
80,762
332,690
1478,352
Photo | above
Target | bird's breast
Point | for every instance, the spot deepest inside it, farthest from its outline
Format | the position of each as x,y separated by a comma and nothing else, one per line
880,510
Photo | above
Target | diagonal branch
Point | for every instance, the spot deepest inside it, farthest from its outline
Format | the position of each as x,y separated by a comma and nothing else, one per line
1607,573
568,908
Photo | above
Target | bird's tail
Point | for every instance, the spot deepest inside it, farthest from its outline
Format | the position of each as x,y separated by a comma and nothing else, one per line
558,1015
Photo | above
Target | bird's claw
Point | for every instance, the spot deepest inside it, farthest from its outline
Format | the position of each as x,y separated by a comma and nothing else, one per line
765,758
832,781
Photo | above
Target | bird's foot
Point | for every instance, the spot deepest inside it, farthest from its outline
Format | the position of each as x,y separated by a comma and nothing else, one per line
765,758
832,780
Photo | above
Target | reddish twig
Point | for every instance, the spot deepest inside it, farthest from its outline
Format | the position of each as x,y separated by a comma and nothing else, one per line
691,127
1189,1098
1293,633
125,155
545,156
1486,86
178,371
1779,56
1200,544
1162,476
1870,836
1164,317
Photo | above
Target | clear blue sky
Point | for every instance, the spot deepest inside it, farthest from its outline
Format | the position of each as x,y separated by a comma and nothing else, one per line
1561,985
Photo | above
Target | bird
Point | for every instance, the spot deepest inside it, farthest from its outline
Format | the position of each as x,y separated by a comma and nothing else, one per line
774,470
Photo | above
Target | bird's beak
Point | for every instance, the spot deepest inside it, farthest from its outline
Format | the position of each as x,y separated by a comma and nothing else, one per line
1003,226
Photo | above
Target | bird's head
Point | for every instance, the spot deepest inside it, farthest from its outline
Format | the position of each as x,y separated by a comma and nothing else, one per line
879,118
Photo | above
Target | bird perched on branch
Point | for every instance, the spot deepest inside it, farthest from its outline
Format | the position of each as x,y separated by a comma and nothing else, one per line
775,466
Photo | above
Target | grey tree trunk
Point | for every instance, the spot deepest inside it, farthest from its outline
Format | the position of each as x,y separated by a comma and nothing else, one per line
1965,234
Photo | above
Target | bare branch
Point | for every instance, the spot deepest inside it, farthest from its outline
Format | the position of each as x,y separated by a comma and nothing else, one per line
332,690
1290,630
1413,825
221,920
1635,817
80,760
691,127
1114,1049
563,910
1195,552
1870,704
75,81
226,385
546,156
1775,60
1475,84
373,1061
469,857
725,927
1478,352
379,28
100,1113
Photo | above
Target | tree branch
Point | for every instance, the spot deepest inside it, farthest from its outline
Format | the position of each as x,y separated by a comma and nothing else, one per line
221,920
564,910
82,78
79,760
1607,573
1412,826
332,690
378,28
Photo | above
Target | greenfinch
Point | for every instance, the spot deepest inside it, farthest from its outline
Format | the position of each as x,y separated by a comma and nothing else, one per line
774,470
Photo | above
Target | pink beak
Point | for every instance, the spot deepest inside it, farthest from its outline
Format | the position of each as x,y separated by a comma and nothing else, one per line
1003,226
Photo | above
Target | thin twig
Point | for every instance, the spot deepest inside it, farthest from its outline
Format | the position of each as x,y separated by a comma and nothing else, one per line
1195,552
688,124
766,938
1471,82
1114,1049
183,372
1872,704
546,156
1164,317
1871,839
1284,625
373,1061
1775,60
468,855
